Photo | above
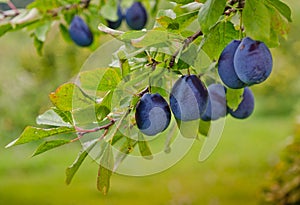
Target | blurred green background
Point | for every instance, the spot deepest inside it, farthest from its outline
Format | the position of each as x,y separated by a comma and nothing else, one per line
233,174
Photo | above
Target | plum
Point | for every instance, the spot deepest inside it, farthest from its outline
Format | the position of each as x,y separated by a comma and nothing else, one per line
216,107
152,114
252,61
136,16
80,33
246,107
116,24
188,98
226,68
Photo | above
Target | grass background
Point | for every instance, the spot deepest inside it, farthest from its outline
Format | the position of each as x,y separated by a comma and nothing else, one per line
233,174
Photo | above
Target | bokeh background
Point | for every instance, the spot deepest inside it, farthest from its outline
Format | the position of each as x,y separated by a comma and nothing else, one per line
235,173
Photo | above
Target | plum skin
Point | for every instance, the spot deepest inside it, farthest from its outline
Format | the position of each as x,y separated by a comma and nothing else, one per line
216,106
116,24
136,16
152,114
226,68
246,107
188,98
252,61
79,32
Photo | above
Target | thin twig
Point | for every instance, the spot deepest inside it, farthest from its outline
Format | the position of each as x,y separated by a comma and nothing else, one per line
81,132
186,43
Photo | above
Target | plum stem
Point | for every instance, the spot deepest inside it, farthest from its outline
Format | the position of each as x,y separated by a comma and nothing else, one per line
186,43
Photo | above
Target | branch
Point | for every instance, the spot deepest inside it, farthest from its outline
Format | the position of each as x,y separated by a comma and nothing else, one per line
81,132
53,12
186,43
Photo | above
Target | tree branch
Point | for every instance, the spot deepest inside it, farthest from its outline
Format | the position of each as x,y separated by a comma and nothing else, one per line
81,132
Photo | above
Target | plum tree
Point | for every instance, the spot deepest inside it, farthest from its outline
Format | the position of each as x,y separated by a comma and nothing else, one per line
187,37
216,106
226,68
80,33
116,24
188,98
252,61
152,114
246,107
136,16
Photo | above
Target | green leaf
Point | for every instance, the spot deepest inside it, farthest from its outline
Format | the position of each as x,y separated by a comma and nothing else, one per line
89,80
103,109
110,80
179,23
144,147
64,32
69,96
183,1
33,133
42,30
151,38
71,170
38,45
219,36
234,97
279,27
50,117
105,169
109,10
45,5
210,13
204,127
125,149
282,8
65,115
257,20
50,145
5,28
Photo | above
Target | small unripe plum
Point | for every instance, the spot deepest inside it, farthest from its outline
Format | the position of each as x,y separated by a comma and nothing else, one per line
246,107
116,24
136,16
80,33
188,98
152,114
252,61
226,68
216,106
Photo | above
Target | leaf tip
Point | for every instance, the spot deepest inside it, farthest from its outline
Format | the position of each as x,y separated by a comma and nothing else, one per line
11,144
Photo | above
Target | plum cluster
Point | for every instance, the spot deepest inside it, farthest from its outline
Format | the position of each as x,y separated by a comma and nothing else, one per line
244,63
189,100
136,18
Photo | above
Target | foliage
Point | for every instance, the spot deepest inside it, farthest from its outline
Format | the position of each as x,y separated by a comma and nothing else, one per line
101,103
284,182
